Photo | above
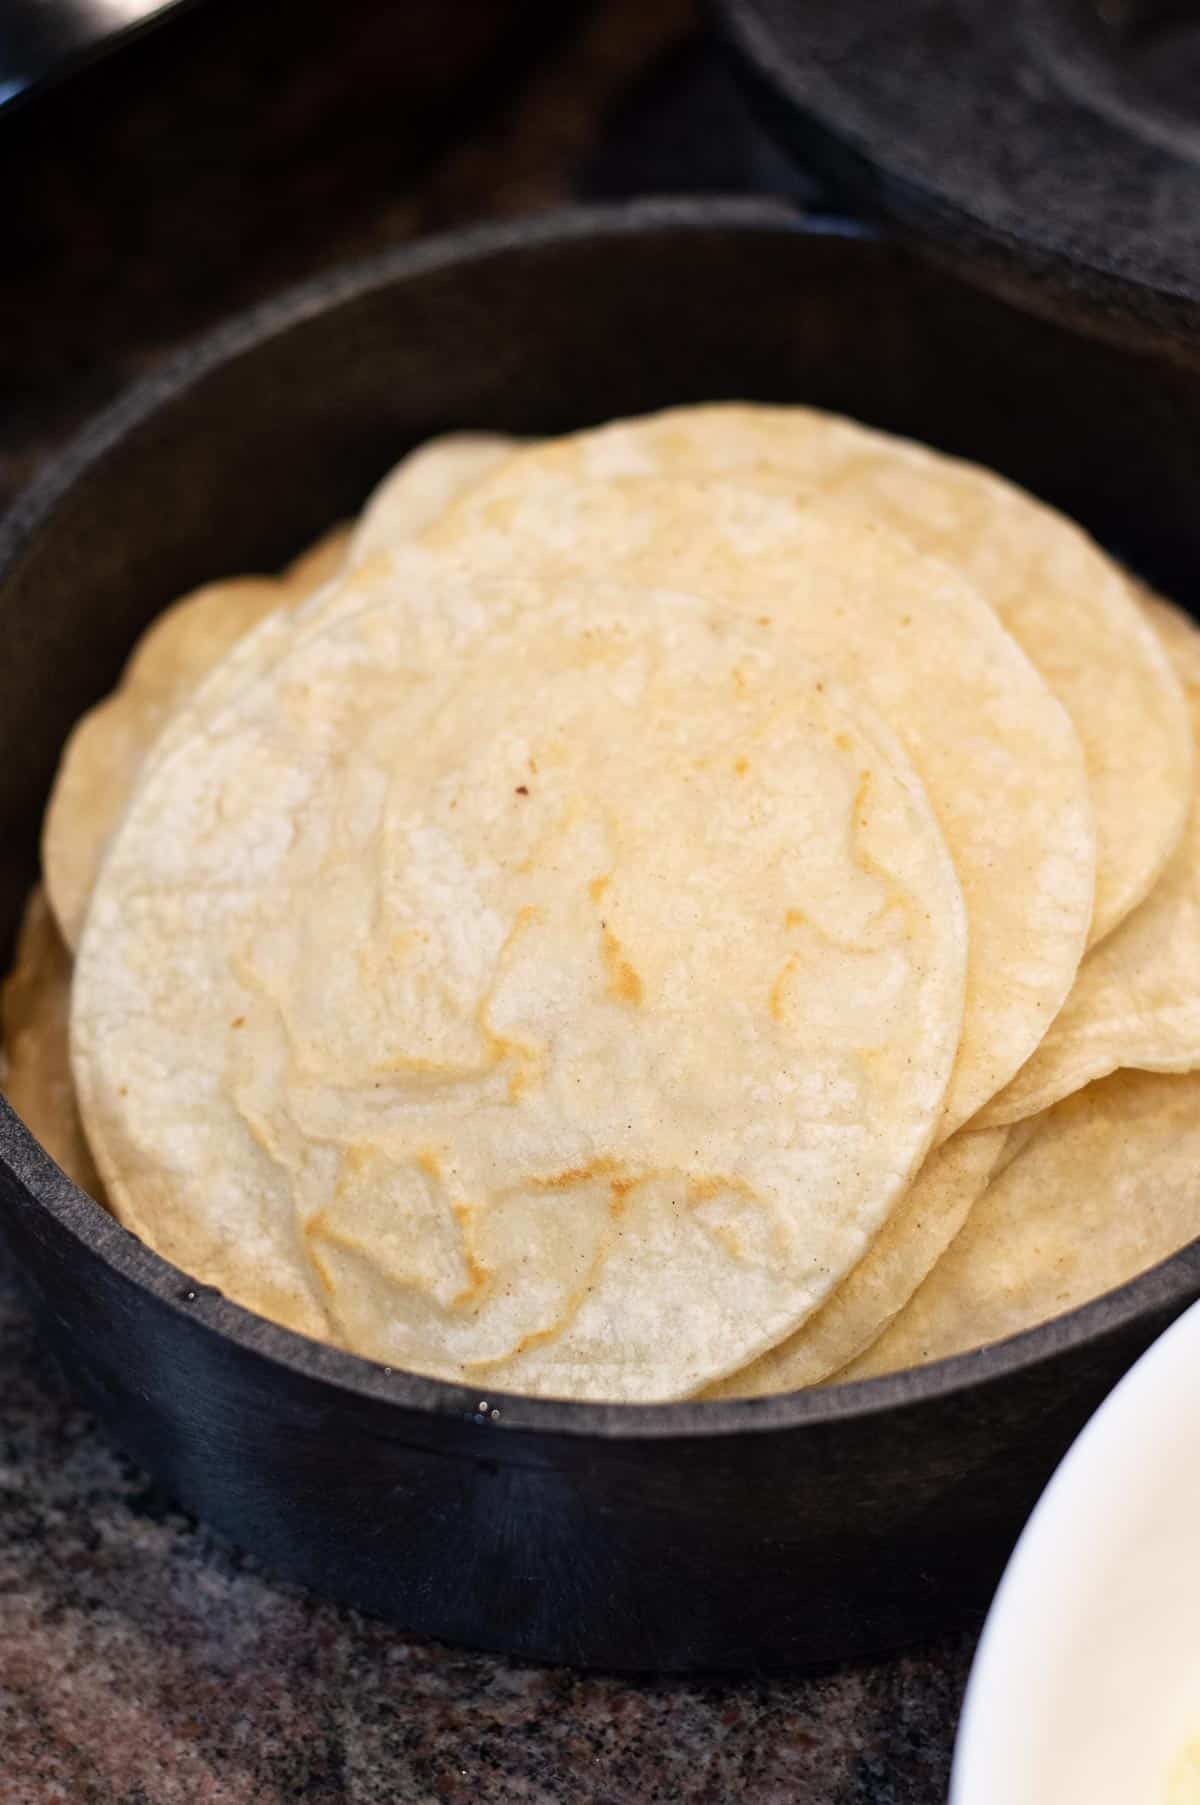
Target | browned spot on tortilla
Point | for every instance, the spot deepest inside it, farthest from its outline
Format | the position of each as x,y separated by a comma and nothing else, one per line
533,1339
477,1273
620,1188
239,1021
525,1057
741,766
703,1190
777,989
794,918
623,980
577,1175
311,1230
354,1164
428,1161
597,887
518,1079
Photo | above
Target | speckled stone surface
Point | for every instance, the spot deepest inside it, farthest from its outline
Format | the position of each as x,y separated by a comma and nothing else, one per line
142,1660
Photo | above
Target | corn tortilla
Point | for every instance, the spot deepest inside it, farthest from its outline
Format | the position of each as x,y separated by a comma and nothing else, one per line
1068,605
1136,999
913,1239
35,1067
1106,1188
995,750
465,1022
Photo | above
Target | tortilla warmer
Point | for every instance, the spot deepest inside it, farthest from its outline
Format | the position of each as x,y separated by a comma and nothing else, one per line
801,1529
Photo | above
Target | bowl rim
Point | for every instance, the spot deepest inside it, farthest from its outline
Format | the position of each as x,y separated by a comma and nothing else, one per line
1172,1283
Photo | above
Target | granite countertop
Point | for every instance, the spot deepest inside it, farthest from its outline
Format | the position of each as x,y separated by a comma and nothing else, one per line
143,1661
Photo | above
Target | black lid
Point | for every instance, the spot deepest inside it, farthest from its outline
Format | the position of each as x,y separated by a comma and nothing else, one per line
1051,148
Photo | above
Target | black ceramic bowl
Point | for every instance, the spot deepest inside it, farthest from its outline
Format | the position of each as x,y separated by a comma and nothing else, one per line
796,1529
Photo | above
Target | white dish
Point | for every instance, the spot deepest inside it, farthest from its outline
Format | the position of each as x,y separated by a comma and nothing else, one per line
1086,1684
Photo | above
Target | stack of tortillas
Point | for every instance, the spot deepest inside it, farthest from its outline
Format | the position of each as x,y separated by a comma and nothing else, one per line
700,907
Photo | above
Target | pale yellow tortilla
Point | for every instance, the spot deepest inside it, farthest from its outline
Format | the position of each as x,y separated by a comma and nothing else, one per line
1017,1137
995,750
35,1069
1108,1186
105,752
348,562
422,486
466,1019
320,562
104,755
904,1252
1136,1000
994,747
1066,603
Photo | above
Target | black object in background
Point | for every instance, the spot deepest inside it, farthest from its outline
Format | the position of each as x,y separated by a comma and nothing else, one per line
237,147
43,41
686,128
1036,148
